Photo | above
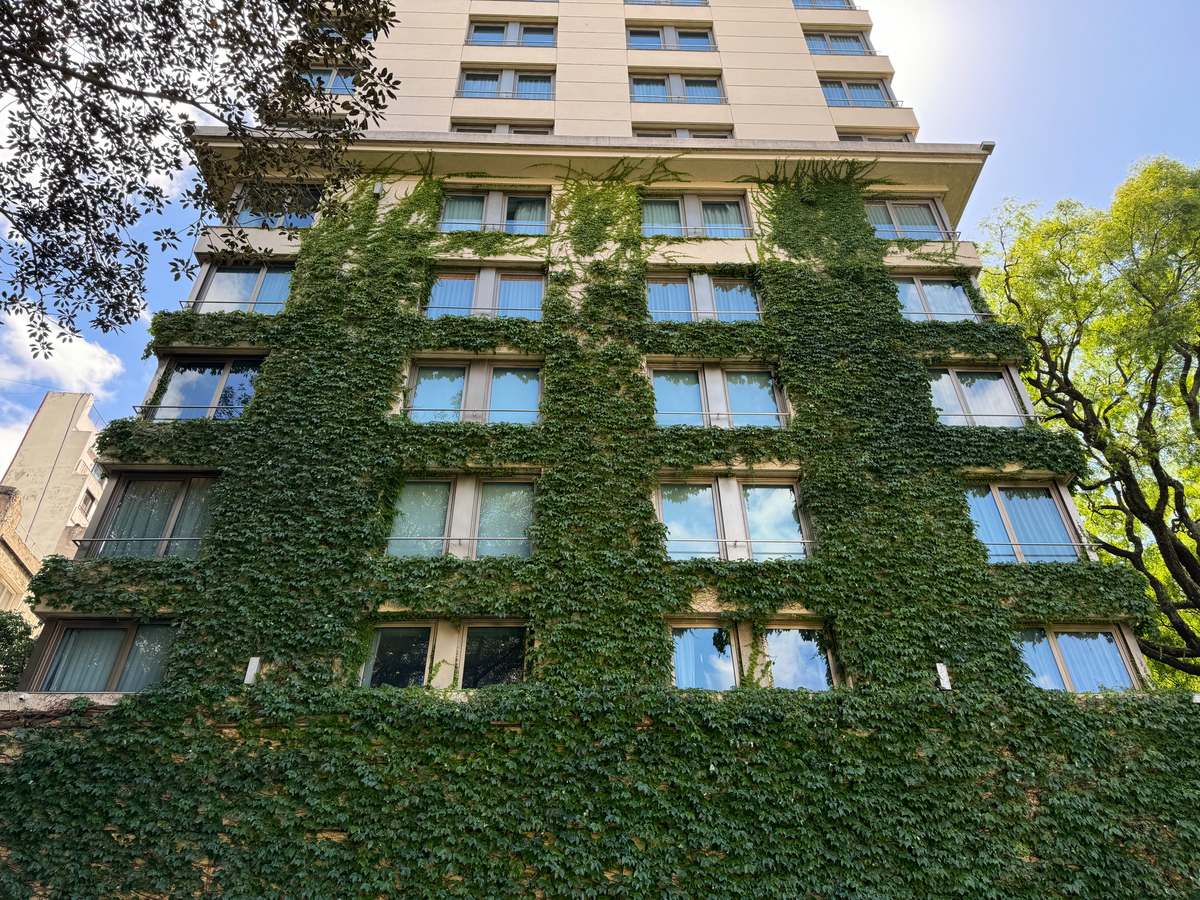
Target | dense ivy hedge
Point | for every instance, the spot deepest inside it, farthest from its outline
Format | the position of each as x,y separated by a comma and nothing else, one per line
595,779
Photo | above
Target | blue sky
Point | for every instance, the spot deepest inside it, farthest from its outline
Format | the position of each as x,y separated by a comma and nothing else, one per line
1072,92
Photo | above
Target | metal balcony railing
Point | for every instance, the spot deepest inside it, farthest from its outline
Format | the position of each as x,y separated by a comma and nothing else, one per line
723,419
667,98
447,225
667,2
489,42
865,103
724,315
504,95
717,232
831,51
218,412
636,45
801,553
462,413
892,233
948,316
823,4
94,547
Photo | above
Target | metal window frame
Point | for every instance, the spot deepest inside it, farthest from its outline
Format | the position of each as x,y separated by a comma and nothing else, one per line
800,624
706,414
493,310
668,36
920,281
700,620
933,204
519,195
452,480
491,365
94,537
243,196
335,72
753,292
479,95
1009,382
369,665
409,394
477,510
484,622
863,37
743,211
781,401
518,74
456,274
722,540
1055,493
1139,674
46,649
441,223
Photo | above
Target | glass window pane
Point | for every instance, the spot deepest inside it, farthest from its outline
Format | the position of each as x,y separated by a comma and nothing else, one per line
140,519
438,394
735,301
867,95
774,520
752,399
948,301
694,40
488,34
238,390
945,398
452,295
1038,655
535,87
276,286
910,299
463,213
702,90
703,658
878,215
84,660
1038,524
677,397
835,93
505,514
661,217
538,36
797,660
650,90
319,79
691,520
916,220
306,200
494,656
723,219
481,84
230,288
989,527
514,396
1093,661
817,44
190,392
147,658
645,39
195,517
398,658
343,83
419,526
847,43
520,297
990,400
526,215
669,299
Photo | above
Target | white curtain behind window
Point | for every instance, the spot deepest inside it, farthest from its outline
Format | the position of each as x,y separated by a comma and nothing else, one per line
85,659
147,657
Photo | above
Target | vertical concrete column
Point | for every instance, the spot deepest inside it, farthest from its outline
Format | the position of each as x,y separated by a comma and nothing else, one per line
462,516
443,672
705,296
475,392
486,285
733,518
693,215
717,400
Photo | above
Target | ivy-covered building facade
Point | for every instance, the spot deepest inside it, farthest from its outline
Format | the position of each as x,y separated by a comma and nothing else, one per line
573,513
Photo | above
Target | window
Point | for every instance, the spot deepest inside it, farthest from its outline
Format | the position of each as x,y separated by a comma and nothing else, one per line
1022,524
675,88
399,656
669,298
704,658
87,504
823,4
92,657
7,596
156,517
939,299
680,298
669,37
702,133
878,138
667,2
513,34
493,654
918,220
205,388
501,128
496,211
1081,659
501,513
507,84
260,289
857,93
762,521
488,293
266,211
837,44
712,395
798,660
736,300
693,216
975,397
331,81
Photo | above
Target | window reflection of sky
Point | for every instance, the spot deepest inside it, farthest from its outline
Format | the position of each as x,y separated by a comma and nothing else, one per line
703,659
772,516
438,394
691,520
797,660
677,397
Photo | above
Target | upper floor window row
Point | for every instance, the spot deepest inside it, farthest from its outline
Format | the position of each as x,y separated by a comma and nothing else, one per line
675,88
824,4
877,138
724,518
1079,659
496,211
702,132
502,128
487,292
266,211
154,516
205,388
985,397
507,84
666,2
858,93
713,657
669,37
1024,523
837,43
475,391
716,395
695,297
915,219
260,289
464,516
694,215
512,34
936,299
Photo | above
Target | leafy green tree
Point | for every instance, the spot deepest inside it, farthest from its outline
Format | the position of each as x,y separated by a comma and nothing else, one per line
16,643
1110,300
101,105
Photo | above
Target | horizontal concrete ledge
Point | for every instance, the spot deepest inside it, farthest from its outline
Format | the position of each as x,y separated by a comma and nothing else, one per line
52,702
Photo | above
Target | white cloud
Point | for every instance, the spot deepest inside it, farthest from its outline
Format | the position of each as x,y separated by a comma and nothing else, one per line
13,422
76,366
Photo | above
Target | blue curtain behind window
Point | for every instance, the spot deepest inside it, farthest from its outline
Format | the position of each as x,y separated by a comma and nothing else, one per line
989,527
1037,654
669,300
452,295
1093,660
1038,525
520,297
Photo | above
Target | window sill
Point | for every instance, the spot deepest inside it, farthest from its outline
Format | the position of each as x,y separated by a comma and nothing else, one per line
54,702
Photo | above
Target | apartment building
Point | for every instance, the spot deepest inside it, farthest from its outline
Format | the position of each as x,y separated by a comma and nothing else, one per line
644,368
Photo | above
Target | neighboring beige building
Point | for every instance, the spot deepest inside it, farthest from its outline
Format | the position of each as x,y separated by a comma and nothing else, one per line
17,562
55,472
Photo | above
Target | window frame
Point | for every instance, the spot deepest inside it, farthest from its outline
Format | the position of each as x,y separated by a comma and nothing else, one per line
460,658
1011,381
203,284
863,38
515,128
34,678
110,502
758,304
700,620
495,203
939,218
930,316
506,77
243,198
1083,549
668,36
1139,674
510,27
485,293
367,667
447,526
147,411
672,132
344,75
477,384
676,84
766,672
477,509
674,278
691,215
713,418
889,100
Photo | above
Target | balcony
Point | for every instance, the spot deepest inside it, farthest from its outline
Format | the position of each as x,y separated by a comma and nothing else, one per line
465,94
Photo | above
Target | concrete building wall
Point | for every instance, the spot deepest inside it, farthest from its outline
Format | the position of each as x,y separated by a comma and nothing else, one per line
17,562
53,470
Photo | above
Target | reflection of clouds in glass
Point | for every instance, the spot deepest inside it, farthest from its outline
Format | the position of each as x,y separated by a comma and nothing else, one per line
797,660
703,658
772,516
690,516
1036,652
752,399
